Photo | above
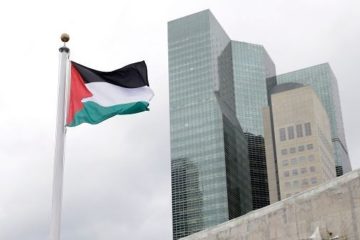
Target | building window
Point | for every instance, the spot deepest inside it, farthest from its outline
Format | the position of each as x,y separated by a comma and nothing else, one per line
311,158
302,159
294,172
301,148
307,129
292,150
284,151
291,133
303,170
285,162
282,134
312,169
305,182
293,161
287,184
299,130
286,174
310,146
313,180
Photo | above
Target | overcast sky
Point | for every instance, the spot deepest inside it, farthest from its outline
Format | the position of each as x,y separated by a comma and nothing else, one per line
117,173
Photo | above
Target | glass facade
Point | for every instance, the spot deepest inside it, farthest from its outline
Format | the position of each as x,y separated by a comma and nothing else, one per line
251,66
210,168
324,82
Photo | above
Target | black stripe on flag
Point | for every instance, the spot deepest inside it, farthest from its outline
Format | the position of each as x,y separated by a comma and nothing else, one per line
131,76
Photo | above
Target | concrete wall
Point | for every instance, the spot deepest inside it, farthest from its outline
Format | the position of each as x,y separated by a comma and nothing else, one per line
333,207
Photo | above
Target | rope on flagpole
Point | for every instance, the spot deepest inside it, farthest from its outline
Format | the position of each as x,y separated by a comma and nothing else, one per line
60,139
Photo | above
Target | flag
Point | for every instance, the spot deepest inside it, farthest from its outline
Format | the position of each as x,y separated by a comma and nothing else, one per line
96,96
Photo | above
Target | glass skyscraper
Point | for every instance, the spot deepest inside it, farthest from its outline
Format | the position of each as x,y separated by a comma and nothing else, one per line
217,90
210,168
324,82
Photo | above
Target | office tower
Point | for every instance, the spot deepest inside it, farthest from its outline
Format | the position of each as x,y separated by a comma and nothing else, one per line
324,82
209,164
302,138
217,91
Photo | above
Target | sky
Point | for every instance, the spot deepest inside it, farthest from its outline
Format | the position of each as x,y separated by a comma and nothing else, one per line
117,174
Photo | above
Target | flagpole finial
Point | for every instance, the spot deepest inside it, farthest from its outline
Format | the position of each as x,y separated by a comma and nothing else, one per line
64,38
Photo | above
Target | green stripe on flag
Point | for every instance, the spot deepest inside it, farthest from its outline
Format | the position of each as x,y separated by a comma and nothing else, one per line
94,113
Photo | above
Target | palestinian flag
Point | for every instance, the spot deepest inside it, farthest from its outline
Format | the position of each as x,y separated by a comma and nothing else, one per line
96,96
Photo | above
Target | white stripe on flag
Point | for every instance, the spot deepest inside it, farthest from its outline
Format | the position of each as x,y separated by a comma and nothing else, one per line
106,94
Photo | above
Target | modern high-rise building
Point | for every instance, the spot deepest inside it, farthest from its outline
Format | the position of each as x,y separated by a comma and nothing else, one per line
323,81
209,163
302,138
218,89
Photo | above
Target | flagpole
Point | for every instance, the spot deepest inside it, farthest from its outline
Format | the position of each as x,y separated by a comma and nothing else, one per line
60,140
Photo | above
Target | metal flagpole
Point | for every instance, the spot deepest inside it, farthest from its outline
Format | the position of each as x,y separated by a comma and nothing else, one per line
60,140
